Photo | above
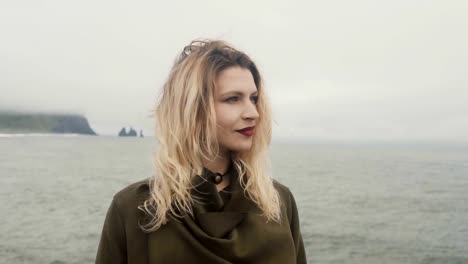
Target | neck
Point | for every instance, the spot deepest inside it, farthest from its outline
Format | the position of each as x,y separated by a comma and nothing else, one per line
220,164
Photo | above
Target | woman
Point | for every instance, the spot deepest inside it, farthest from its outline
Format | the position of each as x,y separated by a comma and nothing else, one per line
212,198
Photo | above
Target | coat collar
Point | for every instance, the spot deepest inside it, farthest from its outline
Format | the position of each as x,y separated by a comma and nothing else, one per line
215,216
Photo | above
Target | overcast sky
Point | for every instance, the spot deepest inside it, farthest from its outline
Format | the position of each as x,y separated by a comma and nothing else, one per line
339,70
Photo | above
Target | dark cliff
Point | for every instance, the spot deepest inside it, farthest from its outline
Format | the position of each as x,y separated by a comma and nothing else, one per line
17,122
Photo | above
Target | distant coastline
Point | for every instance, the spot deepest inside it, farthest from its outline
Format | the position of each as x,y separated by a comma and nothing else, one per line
23,122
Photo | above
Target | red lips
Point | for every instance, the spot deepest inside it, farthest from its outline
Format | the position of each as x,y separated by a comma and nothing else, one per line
247,131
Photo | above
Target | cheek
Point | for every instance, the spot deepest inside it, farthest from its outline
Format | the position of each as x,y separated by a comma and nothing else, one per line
226,118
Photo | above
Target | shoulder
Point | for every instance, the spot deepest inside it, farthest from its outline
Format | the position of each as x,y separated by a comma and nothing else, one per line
133,190
282,189
130,197
121,226
287,199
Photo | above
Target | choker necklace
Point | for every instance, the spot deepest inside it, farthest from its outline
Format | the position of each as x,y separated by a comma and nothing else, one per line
217,178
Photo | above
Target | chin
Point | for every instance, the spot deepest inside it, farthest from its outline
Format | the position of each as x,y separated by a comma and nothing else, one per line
236,145
241,148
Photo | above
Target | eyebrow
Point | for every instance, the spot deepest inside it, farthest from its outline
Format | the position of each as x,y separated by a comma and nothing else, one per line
237,93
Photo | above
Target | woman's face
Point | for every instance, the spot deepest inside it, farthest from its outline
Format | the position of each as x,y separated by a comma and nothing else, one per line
236,108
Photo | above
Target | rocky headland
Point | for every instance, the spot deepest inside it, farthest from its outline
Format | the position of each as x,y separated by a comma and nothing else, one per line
22,122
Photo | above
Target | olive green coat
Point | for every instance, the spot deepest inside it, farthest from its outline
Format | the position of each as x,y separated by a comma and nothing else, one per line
227,228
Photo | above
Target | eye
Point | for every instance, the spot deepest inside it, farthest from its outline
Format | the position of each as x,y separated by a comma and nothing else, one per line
232,99
255,99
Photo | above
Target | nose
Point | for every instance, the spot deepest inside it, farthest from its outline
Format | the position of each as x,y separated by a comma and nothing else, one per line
250,112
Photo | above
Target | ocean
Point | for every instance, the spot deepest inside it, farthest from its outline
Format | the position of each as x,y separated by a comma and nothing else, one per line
358,202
